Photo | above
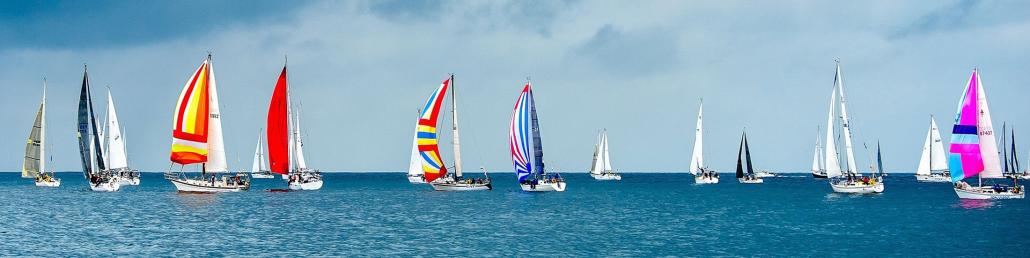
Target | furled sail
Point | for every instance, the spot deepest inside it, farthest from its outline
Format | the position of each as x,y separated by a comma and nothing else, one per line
279,128
518,136
35,153
428,139
190,131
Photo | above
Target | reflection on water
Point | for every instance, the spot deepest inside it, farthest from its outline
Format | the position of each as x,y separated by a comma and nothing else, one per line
196,200
971,204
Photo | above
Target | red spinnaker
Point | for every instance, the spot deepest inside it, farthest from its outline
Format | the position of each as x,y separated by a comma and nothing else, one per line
278,128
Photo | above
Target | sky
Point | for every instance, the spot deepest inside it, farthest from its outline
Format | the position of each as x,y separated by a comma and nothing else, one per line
361,69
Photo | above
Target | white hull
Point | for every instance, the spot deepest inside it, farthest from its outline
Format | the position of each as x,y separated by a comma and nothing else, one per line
937,178
702,180
207,185
987,193
314,184
544,187
606,176
128,181
416,179
764,174
856,187
112,186
750,181
460,186
52,183
262,175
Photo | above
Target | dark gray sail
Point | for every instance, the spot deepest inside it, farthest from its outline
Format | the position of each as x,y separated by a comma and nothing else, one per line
747,156
83,129
538,149
740,166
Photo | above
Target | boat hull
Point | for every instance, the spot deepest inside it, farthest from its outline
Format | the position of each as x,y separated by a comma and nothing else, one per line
262,175
416,179
111,186
750,181
461,186
934,178
703,180
987,193
819,174
52,183
764,174
857,188
606,177
128,181
544,187
310,185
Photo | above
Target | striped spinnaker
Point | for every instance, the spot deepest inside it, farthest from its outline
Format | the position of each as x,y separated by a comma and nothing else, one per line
190,128
426,132
518,135
965,159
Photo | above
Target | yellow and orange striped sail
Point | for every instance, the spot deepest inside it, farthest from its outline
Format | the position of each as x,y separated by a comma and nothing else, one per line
189,133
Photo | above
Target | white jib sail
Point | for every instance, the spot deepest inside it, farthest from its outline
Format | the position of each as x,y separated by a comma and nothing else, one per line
215,144
257,157
606,156
988,145
832,163
116,156
846,126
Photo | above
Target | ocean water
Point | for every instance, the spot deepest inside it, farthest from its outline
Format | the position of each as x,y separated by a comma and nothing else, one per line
381,214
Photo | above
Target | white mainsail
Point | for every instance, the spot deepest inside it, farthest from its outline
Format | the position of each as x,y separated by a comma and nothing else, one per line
933,156
35,148
606,157
815,156
988,145
832,162
259,158
215,145
454,129
115,153
415,164
846,126
697,160
298,147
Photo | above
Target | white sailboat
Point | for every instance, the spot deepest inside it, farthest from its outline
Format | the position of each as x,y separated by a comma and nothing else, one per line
455,181
115,154
34,165
933,165
973,150
702,175
818,167
285,144
1011,156
197,138
259,169
601,167
850,180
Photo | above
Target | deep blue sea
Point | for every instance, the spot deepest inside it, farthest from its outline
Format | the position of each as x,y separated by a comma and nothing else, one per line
381,214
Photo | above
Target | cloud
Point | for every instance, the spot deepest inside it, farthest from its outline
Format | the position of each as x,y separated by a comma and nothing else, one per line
632,53
949,17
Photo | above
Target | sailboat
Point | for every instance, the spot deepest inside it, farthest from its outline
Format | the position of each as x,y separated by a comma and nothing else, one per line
973,150
746,176
94,168
702,175
850,180
115,154
933,166
197,138
1010,156
432,165
524,129
260,169
285,146
34,165
415,175
601,167
818,167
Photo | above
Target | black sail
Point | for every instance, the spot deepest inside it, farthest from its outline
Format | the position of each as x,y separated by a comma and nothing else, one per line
83,128
740,167
747,155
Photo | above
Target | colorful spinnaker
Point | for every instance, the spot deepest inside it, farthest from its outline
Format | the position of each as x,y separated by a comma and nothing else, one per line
973,150
519,134
279,127
426,134
191,119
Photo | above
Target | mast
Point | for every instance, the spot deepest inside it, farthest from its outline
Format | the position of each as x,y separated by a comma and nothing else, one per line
1004,152
454,129
42,131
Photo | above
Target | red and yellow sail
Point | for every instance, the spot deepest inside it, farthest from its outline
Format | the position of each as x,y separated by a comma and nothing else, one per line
432,165
190,128
278,128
